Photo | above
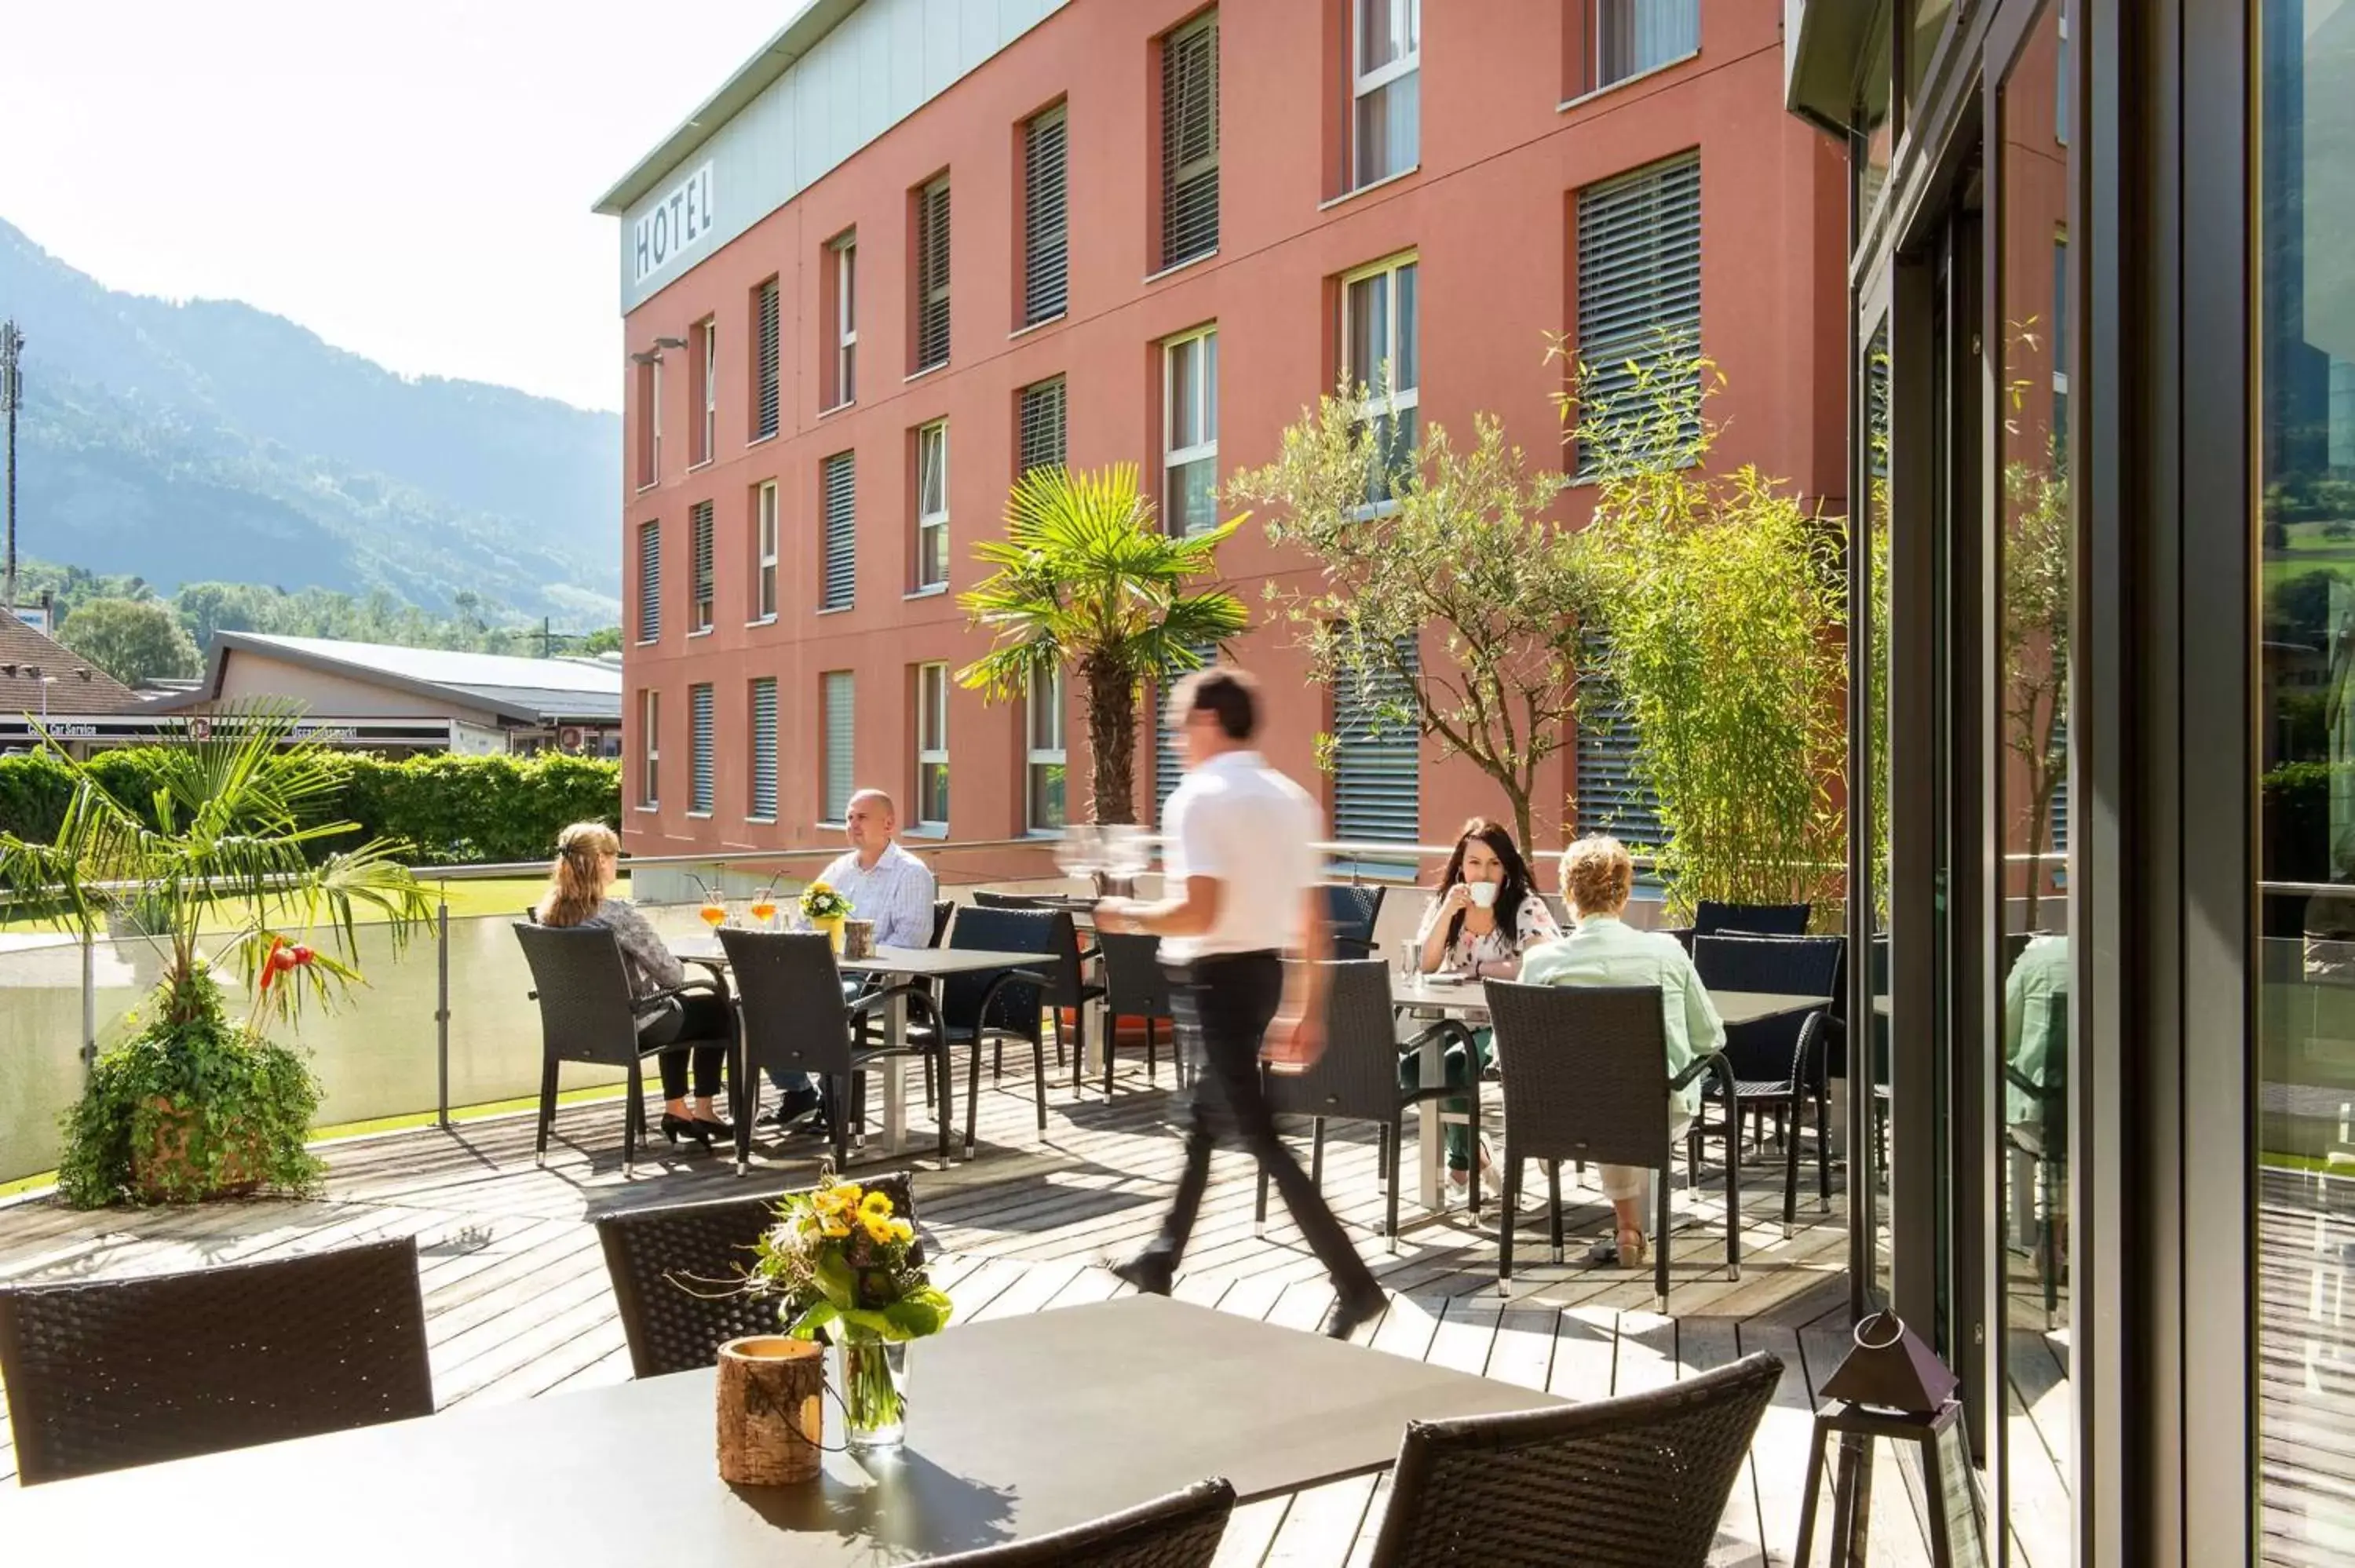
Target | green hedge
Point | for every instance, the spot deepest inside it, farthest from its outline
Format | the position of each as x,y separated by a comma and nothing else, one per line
449,809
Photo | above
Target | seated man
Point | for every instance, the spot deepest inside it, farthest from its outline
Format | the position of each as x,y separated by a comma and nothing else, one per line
1596,878
886,884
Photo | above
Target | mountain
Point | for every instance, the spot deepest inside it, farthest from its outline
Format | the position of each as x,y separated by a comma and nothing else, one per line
207,440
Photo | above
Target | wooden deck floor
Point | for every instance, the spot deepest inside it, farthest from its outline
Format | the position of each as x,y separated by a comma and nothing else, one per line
518,1305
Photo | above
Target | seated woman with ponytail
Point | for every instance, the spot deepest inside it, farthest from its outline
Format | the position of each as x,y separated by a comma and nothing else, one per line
587,857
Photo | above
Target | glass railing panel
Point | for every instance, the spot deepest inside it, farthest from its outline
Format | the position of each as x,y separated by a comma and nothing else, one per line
40,1051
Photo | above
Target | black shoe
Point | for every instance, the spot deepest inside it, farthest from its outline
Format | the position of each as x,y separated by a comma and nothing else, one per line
796,1105
1150,1274
674,1128
714,1127
1351,1314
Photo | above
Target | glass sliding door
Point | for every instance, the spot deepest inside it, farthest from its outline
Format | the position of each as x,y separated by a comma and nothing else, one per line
1868,1067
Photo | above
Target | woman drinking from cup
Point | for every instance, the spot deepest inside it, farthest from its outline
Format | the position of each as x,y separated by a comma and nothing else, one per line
1486,915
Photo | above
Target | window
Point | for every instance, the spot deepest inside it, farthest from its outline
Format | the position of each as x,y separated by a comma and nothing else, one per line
698,751
931,272
1045,239
1189,432
834,699
1385,93
649,582
653,421
1167,767
649,391
931,745
765,551
1638,278
2060,84
707,377
765,361
933,504
1377,755
1379,336
1632,36
1044,771
650,749
700,573
1189,141
2059,347
1611,798
843,311
840,506
1038,427
763,805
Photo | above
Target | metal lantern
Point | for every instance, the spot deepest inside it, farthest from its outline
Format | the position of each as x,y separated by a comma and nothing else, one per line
1892,1385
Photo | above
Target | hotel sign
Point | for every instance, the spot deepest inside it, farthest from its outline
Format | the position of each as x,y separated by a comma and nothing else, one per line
675,225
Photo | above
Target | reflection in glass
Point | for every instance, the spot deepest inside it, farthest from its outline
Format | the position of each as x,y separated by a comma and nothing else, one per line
1872,1195
1875,133
2034,566
2305,967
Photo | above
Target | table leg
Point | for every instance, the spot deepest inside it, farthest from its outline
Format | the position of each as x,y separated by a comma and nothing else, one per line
895,1087
1433,1061
1098,1031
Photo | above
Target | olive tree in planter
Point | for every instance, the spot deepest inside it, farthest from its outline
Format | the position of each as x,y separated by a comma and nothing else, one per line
221,870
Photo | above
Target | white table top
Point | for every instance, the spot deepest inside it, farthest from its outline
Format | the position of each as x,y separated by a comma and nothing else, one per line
1466,999
918,961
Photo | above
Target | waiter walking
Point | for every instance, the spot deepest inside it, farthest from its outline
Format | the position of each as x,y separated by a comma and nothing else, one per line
1241,873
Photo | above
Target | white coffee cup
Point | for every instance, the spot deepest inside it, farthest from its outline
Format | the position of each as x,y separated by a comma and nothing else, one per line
1484,894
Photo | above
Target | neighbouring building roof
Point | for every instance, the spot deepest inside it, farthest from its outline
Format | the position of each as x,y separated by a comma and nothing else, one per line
75,685
530,691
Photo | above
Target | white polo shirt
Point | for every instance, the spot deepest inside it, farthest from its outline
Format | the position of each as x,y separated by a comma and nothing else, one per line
1237,819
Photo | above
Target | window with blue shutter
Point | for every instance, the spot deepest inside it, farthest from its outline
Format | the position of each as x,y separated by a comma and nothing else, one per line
1612,796
839,503
1168,766
931,333
1638,278
764,750
764,360
1046,236
699,567
649,582
1632,36
836,701
1038,427
1377,754
698,777
1189,141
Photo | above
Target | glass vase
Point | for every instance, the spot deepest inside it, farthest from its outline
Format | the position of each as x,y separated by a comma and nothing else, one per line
872,1375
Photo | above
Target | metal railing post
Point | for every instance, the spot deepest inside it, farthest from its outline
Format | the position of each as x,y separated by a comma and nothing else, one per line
441,1003
89,1005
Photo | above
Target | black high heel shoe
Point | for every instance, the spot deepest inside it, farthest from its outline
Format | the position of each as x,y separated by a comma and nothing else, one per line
674,1128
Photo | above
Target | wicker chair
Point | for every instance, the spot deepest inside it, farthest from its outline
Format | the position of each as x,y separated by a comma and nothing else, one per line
990,1007
1639,1481
1778,1062
1181,1531
1585,1072
1356,1079
1350,911
656,1257
587,1014
106,1374
942,909
796,1019
1134,987
1712,919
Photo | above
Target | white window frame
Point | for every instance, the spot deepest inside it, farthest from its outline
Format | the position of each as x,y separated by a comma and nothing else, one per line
1046,698
1381,396
932,737
765,551
933,524
1364,82
845,320
1206,387
649,749
710,391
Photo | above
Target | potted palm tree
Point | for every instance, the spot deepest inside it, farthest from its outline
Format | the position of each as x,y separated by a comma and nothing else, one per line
225,871
1086,581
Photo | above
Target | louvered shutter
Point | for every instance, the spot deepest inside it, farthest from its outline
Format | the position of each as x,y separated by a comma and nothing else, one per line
764,327
1638,273
1377,756
1167,768
698,779
1045,239
839,740
841,503
649,581
1612,797
765,749
2057,813
1041,437
1189,142
932,276
698,531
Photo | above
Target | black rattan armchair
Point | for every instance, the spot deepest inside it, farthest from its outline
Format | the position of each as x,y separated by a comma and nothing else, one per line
107,1373
1640,1481
796,1018
1068,989
942,909
1181,1531
1585,1072
671,1266
988,1008
1350,911
1778,1062
1134,987
1712,919
1356,1079
587,1014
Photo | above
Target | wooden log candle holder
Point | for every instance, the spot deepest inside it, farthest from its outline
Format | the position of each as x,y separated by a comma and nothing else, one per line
771,1410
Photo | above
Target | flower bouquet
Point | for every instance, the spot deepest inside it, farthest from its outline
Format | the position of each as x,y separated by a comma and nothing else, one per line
845,1265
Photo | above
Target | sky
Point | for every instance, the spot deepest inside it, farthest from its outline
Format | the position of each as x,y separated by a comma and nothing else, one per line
411,181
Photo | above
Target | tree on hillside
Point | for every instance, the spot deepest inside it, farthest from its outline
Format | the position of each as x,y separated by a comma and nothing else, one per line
134,640
1460,546
1087,579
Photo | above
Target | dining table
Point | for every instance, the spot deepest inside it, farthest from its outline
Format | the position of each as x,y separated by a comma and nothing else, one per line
1017,1427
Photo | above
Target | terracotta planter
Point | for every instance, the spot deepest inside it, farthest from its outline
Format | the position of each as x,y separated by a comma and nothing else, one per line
161,1172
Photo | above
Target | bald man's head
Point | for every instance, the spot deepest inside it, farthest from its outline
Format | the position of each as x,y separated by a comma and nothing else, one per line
869,822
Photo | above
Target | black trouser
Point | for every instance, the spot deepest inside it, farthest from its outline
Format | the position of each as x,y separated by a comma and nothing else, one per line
1223,1006
700,1016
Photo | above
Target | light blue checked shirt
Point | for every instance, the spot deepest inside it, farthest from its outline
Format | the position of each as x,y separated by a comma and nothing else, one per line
896,893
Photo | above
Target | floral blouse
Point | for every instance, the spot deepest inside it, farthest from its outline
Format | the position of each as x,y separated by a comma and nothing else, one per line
1533,923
